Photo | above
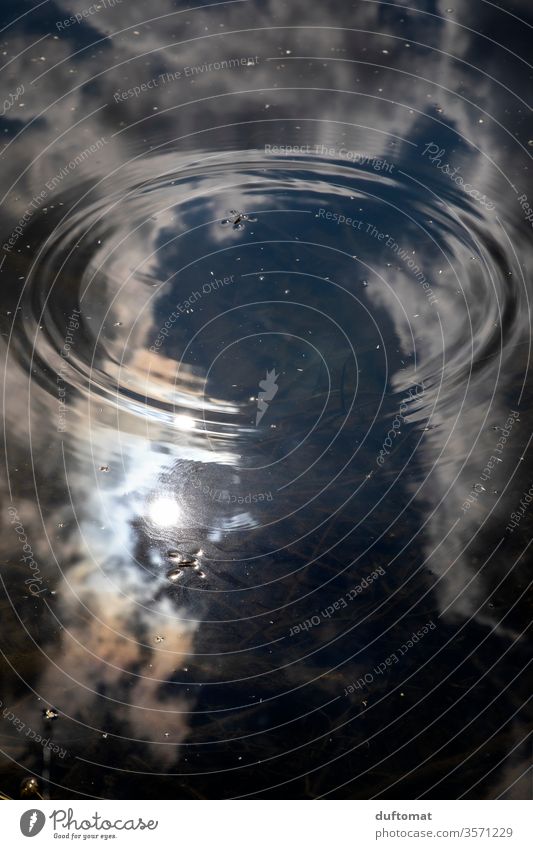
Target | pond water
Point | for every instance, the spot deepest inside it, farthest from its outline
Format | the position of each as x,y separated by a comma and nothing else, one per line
265,329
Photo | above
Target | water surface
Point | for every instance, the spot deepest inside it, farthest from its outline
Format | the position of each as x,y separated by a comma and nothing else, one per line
266,275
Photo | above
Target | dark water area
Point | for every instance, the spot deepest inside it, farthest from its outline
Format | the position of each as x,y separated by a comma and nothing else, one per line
266,337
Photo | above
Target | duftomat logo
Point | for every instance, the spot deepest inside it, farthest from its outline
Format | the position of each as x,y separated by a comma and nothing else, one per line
32,822
268,389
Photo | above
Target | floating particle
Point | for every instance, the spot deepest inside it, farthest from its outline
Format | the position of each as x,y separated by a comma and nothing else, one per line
29,787
50,713
104,468
158,638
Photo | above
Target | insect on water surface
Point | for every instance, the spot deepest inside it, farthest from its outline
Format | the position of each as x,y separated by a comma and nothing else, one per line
236,219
